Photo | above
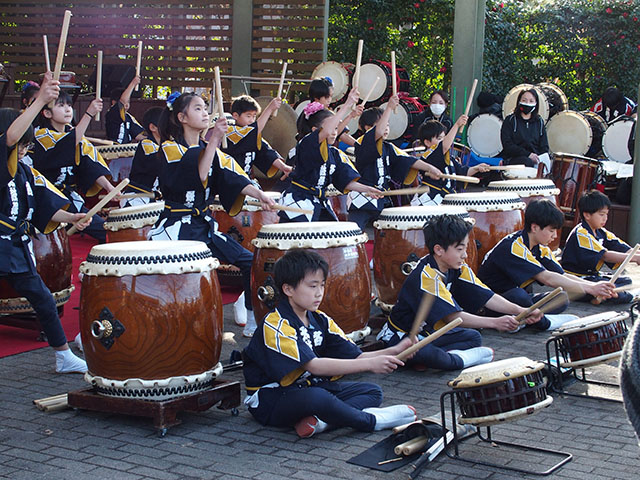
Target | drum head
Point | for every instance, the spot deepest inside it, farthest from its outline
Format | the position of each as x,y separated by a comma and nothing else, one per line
615,141
368,74
338,74
569,132
309,235
483,135
414,218
494,372
558,101
590,322
525,188
137,216
524,172
300,107
485,201
398,121
509,104
280,131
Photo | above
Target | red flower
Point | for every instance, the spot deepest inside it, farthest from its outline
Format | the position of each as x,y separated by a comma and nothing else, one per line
576,65
622,37
369,21
625,14
595,54
608,10
501,5
370,28
417,5
410,44
615,43
635,19
443,69
638,47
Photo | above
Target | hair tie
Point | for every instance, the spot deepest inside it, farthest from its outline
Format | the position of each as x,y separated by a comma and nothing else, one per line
171,99
30,83
312,108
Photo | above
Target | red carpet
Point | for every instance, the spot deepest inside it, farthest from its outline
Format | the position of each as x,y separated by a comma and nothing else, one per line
17,340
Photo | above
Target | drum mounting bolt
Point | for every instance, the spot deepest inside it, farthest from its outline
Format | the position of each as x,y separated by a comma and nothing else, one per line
266,293
101,329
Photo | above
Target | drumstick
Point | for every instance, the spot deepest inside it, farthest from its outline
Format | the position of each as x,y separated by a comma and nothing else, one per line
284,208
421,315
624,288
414,149
394,84
618,272
460,178
216,72
425,341
98,82
397,459
61,46
504,167
107,198
284,72
47,62
139,62
405,191
366,99
539,303
99,141
356,75
127,196
470,99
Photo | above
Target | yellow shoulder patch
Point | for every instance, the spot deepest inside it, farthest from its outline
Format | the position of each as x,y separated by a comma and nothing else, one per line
334,328
150,147
280,336
229,163
344,158
520,250
430,282
468,276
173,151
42,181
235,133
48,138
587,241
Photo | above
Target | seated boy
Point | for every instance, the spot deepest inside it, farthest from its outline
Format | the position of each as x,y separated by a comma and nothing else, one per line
244,139
297,353
444,274
432,136
523,257
379,163
145,166
121,126
590,245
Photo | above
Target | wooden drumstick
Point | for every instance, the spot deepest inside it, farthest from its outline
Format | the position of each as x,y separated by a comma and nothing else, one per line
427,340
504,167
216,72
99,141
139,62
128,196
415,446
356,75
405,191
107,198
98,82
366,99
47,61
470,99
539,304
421,315
61,46
284,73
394,83
624,288
618,272
461,178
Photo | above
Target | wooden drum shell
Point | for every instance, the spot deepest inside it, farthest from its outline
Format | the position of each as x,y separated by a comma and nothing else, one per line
245,226
595,342
573,175
491,227
129,234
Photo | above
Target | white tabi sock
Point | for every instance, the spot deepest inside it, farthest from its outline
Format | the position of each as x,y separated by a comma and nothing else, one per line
393,416
474,356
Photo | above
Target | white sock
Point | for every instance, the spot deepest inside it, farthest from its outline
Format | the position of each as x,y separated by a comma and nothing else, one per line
393,416
556,321
240,311
251,325
67,362
78,342
474,356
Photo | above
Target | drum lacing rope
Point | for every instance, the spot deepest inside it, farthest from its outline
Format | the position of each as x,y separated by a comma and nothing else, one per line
522,189
480,201
181,258
307,235
134,216
156,391
414,218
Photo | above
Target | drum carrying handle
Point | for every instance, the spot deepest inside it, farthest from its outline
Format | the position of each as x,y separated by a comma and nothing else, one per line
101,329
407,267
266,293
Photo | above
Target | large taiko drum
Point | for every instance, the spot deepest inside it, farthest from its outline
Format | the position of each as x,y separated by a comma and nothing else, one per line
347,294
511,98
53,260
483,135
577,133
132,224
399,241
403,119
339,202
384,87
496,215
615,141
590,340
339,73
151,318
500,391
573,174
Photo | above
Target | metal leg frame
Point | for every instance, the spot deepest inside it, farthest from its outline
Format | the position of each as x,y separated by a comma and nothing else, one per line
456,455
556,380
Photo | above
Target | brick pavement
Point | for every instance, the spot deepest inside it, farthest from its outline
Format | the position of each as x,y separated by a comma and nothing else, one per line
79,445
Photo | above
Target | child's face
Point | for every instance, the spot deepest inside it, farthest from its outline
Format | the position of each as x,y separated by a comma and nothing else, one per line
455,255
436,99
308,294
326,101
544,236
23,148
196,115
433,141
597,219
333,134
62,113
246,118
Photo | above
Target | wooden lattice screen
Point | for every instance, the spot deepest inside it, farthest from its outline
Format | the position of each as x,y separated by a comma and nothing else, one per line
183,41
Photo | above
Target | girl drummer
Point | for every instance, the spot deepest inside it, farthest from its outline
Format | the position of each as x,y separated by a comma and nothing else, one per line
438,103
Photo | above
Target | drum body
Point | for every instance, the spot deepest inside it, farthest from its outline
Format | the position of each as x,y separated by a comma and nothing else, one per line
556,98
347,295
132,224
615,140
119,158
572,174
53,263
399,244
460,152
496,215
403,120
151,318
594,339
483,135
339,202
384,87
499,391
339,73
576,133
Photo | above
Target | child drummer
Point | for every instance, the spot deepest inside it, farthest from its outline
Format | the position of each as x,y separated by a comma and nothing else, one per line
295,357
121,126
457,293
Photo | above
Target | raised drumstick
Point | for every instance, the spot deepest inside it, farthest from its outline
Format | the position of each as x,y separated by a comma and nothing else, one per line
539,303
47,61
460,178
216,72
356,75
470,99
405,191
394,82
284,73
366,99
98,81
139,62
107,198
61,46
425,341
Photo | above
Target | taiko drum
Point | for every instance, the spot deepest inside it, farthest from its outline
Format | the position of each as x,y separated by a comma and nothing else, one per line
132,224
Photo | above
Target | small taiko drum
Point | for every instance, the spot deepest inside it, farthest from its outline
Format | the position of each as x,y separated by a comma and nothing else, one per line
340,75
577,133
339,202
151,319
589,340
53,263
369,72
496,215
500,391
132,224
347,294
483,134
573,174
399,244
403,119
119,158
615,141
520,173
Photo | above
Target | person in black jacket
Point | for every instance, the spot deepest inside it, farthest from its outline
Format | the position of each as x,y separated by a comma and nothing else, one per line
523,135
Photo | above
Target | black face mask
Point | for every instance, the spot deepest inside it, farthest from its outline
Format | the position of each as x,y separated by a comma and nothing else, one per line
526,109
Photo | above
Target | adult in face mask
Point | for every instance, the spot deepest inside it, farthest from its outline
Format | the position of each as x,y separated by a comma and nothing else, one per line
523,135
438,103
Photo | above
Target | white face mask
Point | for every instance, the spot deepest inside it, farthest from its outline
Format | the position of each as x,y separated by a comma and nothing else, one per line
437,108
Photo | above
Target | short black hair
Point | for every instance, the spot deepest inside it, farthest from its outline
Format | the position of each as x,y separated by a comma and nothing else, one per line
369,118
445,230
7,117
306,125
592,201
442,93
28,94
319,88
294,265
63,99
430,129
116,93
612,97
151,116
543,213
533,92
243,104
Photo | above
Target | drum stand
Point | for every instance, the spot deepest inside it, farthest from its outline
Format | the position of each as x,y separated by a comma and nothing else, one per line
164,413
557,377
490,440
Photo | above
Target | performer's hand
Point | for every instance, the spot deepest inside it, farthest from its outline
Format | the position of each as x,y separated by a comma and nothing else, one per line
49,90
77,221
505,323
405,343
95,107
373,192
533,317
601,289
394,101
353,98
534,157
286,170
357,111
462,120
481,167
384,364
275,104
266,201
433,172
